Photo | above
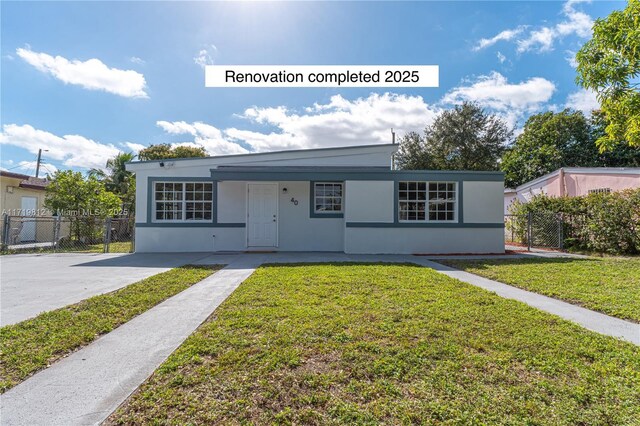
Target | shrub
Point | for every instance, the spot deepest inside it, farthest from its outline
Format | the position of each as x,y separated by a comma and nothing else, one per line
605,223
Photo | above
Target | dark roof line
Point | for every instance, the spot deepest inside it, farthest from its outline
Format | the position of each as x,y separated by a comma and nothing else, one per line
26,181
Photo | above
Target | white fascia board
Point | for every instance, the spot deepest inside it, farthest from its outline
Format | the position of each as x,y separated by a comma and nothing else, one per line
604,170
537,180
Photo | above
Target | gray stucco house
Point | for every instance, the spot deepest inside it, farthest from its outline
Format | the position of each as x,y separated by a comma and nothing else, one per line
335,199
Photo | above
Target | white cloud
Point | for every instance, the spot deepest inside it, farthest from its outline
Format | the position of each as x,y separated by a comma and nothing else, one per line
344,122
137,60
501,57
133,147
542,40
338,122
92,74
205,135
71,150
571,58
206,56
511,100
505,35
583,100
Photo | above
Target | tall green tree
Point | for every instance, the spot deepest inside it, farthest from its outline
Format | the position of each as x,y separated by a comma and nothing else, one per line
463,138
82,200
165,151
118,180
549,141
609,64
622,154
115,176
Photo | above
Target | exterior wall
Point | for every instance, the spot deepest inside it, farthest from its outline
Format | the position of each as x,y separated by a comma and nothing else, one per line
424,240
580,184
11,204
480,201
576,184
232,202
297,231
182,239
509,197
369,201
479,228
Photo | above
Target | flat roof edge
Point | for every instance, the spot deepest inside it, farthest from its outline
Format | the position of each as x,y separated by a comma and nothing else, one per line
289,151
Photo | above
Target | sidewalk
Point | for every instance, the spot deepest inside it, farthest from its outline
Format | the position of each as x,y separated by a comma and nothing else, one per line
90,384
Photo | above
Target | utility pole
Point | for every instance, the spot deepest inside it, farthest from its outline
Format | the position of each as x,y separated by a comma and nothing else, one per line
39,161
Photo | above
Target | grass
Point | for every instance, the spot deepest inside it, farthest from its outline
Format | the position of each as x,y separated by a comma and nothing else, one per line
392,344
608,285
34,344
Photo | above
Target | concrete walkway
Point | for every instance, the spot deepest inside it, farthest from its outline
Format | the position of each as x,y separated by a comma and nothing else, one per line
588,319
90,384
35,283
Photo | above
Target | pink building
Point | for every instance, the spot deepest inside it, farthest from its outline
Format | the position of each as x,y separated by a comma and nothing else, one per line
574,181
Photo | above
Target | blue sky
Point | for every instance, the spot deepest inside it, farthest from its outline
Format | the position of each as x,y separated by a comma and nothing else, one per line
86,80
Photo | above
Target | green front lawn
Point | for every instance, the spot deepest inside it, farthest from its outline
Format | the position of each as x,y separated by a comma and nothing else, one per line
608,285
34,344
385,344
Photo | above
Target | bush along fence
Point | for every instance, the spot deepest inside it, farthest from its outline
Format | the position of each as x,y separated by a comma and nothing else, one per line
601,222
28,234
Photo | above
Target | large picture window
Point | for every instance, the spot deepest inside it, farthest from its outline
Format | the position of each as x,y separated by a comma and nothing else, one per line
328,197
183,201
427,201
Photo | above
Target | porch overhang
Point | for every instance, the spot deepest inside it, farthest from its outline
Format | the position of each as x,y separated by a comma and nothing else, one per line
271,173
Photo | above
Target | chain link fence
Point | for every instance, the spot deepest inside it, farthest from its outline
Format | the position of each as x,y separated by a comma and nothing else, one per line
535,230
29,234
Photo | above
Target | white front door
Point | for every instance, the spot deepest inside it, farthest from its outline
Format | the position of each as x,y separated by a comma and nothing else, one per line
262,215
28,230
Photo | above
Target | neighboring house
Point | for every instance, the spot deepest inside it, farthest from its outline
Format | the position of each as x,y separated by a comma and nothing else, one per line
575,181
23,195
335,199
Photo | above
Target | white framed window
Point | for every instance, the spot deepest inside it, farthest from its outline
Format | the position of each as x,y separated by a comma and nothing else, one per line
328,197
183,201
420,201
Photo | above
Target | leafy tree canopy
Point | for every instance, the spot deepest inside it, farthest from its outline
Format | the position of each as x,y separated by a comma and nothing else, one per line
609,64
463,138
549,141
565,139
118,180
69,193
165,151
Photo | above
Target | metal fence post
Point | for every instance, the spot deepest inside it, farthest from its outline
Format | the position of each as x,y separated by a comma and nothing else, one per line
560,233
107,234
133,236
56,232
5,231
529,230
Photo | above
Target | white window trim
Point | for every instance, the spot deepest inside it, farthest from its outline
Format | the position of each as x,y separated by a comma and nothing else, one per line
341,197
426,215
183,202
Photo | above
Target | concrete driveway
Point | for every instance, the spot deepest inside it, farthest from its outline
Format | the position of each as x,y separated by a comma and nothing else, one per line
34,283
